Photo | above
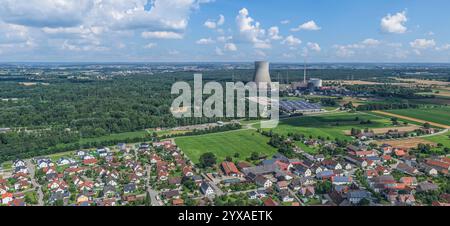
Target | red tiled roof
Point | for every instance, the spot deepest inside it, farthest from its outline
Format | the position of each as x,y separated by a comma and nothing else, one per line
7,195
230,168
89,161
270,202
178,202
400,152
444,165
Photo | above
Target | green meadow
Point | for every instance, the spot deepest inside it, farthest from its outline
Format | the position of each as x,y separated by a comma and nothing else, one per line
330,125
244,142
438,114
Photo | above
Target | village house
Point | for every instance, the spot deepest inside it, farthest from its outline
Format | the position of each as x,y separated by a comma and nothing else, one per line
18,163
281,185
301,170
187,171
172,194
402,167
341,180
207,189
307,191
80,153
426,186
262,181
355,197
285,196
331,164
44,163
409,181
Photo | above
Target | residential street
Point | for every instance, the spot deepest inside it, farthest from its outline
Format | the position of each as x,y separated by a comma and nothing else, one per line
153,193
31,169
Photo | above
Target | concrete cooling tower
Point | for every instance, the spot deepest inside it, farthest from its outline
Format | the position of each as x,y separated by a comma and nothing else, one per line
262,72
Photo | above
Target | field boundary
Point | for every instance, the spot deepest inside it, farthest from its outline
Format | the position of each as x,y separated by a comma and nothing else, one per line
411,119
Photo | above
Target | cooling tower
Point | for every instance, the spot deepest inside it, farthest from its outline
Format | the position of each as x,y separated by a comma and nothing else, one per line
262,72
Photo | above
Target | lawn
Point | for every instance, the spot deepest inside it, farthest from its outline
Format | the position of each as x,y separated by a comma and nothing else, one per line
438,115
330,125
7,165
226,144
307,149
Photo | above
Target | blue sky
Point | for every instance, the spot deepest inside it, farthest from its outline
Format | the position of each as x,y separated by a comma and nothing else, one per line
225,30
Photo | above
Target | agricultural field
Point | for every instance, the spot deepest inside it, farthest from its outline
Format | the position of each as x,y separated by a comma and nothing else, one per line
440,115
440,139
330,125
244,142
407,143
438,92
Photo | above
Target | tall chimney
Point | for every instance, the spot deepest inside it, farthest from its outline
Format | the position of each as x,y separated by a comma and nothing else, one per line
304,73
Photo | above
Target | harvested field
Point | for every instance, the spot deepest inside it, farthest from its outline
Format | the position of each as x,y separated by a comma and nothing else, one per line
424,82
406,143
358,82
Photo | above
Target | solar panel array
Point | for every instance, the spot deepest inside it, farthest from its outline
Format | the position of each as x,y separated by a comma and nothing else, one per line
299,106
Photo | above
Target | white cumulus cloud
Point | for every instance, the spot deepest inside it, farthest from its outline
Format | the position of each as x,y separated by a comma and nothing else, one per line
291,41
250,30
230,47
371,42
423,43
394,23
274,33
205,41
212,24
314,46
310,26
161,35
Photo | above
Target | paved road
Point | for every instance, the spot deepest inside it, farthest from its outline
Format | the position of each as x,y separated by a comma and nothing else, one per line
153,194
214,186
31,170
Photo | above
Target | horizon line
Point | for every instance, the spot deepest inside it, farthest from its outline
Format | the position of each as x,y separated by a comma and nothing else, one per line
208,62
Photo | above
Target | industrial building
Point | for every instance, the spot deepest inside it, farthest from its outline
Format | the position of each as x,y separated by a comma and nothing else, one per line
299,106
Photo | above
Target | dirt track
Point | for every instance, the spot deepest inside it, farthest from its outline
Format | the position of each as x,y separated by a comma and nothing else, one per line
412,119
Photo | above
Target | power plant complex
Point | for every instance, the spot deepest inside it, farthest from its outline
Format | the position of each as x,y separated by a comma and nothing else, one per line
262,75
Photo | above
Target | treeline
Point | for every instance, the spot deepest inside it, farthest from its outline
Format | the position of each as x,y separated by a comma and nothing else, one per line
216,129
386,106
30,144
391,91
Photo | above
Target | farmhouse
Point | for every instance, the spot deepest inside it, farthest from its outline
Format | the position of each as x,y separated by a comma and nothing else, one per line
230,169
